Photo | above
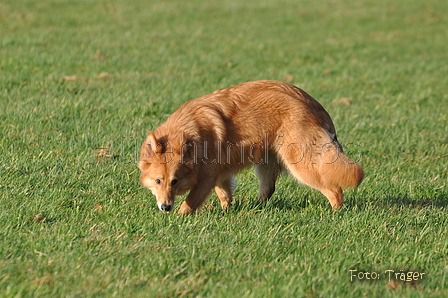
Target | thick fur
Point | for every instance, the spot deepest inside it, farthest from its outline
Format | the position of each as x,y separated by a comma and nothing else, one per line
268,124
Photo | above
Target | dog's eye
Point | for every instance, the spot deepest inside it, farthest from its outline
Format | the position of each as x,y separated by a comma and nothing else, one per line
174,182
157,181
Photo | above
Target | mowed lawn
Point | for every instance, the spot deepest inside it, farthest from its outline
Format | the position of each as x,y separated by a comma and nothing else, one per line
82,82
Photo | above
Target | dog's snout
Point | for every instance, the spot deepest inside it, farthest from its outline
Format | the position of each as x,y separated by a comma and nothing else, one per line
165,207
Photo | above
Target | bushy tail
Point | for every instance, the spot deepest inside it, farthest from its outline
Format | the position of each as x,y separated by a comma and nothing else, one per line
353,173
329,171
346,173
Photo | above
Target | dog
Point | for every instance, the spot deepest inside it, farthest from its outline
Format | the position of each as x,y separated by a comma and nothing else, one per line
271,125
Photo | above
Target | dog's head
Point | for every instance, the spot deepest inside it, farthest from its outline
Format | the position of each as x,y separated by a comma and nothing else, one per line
164,170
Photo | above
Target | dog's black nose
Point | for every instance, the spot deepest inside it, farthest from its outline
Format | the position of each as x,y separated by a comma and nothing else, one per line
166,208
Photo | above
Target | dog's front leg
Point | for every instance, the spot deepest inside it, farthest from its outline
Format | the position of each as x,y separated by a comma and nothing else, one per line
197,196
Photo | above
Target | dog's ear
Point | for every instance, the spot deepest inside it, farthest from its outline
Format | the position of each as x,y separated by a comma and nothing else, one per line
188,150
151,145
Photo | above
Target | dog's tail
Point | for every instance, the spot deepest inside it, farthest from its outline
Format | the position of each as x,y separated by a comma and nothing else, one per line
338,169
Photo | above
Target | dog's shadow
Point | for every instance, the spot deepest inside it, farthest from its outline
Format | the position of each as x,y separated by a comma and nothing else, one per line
439,201
283,203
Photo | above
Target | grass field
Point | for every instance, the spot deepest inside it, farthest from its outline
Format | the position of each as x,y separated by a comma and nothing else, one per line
82,82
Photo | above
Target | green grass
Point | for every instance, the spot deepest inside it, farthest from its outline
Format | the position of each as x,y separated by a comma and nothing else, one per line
76,76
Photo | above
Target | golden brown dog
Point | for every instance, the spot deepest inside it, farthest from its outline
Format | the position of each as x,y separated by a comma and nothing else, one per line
268,124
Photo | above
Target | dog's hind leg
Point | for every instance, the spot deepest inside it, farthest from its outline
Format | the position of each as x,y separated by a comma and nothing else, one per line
224,189
334,196
321,166
267,176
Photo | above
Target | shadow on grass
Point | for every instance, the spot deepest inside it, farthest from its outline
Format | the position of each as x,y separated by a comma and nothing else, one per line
406,201
294,204
440,201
